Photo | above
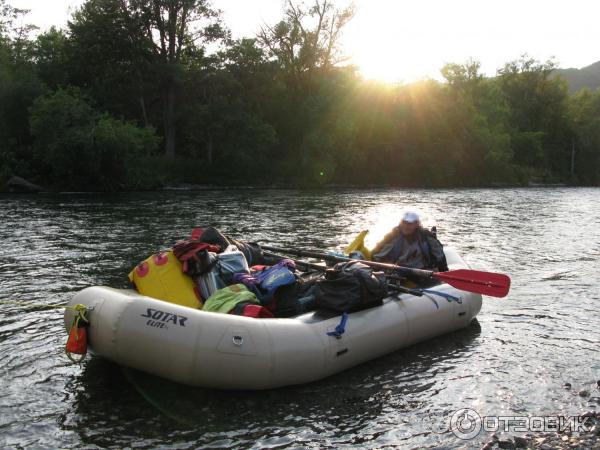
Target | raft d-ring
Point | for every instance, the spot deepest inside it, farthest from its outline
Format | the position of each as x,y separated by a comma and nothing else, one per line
238,340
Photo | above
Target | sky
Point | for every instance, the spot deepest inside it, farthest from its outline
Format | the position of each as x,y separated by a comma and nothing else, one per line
405,40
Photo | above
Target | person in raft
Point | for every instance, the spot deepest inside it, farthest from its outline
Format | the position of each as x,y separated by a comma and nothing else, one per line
411,245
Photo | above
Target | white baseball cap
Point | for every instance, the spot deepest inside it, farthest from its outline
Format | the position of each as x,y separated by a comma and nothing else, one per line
410,217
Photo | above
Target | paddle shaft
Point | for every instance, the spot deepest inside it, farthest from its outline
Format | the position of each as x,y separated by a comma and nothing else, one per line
300,263
486,283
391,286
374,264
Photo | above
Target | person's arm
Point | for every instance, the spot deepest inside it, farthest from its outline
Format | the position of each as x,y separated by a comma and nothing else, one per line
438,256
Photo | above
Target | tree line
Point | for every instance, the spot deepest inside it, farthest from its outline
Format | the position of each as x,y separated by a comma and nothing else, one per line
138,94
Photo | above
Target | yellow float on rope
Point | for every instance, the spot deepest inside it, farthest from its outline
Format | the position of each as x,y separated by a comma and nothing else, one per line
358,245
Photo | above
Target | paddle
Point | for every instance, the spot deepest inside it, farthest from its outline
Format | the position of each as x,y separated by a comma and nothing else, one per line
393,287
486,283
298,262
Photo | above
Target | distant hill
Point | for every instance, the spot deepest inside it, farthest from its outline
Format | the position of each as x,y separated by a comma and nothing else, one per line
579,78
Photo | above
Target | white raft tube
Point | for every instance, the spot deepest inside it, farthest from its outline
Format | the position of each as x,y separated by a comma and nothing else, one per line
226,351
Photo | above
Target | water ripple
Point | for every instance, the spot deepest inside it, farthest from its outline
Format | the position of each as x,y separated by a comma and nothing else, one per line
514,360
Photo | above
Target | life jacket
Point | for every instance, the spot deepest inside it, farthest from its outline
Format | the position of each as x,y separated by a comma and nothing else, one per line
263,283
271,279
160,276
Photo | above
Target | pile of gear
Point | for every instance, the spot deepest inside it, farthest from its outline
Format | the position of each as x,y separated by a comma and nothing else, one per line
218,274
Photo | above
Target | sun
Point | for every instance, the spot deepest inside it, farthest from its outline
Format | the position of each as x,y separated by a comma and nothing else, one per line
375,63
390,41
389,63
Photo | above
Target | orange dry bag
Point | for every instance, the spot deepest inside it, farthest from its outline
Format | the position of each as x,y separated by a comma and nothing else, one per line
77,341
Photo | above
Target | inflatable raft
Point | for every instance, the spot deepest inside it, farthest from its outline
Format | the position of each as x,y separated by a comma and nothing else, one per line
226,351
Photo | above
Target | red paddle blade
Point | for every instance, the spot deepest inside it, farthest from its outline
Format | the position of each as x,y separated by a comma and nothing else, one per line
486,283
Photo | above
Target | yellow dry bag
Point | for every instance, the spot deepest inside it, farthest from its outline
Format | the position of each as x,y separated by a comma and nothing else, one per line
160,276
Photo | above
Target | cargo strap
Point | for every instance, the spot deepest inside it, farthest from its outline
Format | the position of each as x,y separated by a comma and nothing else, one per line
340,328
421,292
450,298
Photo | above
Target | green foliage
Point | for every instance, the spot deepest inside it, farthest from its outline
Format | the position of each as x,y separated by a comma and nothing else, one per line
78,108
49,53
80,148
19,87
135,53
538,114
584,110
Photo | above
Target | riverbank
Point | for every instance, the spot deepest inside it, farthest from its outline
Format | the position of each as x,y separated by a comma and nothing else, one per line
18,185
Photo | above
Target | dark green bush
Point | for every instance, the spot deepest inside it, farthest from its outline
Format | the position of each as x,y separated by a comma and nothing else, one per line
75,147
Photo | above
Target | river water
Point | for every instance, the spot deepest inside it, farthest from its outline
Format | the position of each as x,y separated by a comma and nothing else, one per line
514,360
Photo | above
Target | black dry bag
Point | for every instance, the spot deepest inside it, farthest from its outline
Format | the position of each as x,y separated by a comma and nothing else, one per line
350,286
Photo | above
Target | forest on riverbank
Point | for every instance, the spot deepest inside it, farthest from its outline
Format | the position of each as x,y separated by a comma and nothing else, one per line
139,94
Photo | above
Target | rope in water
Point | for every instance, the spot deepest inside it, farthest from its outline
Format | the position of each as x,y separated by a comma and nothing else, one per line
33,304
80,311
